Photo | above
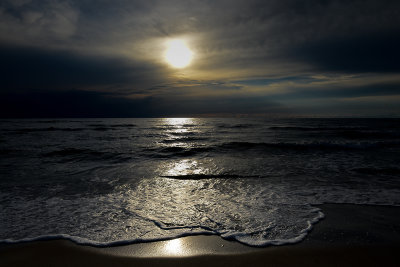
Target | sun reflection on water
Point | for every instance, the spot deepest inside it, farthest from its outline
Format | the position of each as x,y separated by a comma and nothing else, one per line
179,126
179,121
184,167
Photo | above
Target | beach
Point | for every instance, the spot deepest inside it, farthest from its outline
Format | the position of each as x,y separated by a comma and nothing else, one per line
199,133
195,192
349,235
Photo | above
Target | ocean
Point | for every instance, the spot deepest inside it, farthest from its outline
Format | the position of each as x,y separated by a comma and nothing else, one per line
259,181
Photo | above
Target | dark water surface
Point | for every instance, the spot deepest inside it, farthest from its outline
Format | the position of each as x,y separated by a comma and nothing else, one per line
107,181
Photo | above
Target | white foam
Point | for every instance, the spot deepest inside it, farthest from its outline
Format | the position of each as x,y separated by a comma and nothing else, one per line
106,201
158,209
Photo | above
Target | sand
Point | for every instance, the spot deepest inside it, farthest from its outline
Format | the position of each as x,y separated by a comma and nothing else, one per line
350,235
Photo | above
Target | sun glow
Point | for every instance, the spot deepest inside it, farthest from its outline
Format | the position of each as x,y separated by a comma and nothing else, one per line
178,54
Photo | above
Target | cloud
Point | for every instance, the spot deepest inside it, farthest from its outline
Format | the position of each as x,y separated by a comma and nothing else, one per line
341,91
228,36
250,55
29,21
26,68
67,104
77,103
375,52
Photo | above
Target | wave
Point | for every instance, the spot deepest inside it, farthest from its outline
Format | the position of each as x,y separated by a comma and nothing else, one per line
176,151
208,176
123,125
378,171
49,121
185,230
98,127
182,151
368,135
183,139
316,128
103,128
183,133
48,129
6,152
309,146
236,126
189,125
60,121
76,154
88,242
72,152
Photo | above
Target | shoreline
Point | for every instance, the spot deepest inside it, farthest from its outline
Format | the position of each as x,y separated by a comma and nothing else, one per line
349,235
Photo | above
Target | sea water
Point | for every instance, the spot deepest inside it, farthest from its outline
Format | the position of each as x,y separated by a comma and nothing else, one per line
257,181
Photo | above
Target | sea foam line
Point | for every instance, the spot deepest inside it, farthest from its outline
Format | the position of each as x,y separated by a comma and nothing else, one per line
243,238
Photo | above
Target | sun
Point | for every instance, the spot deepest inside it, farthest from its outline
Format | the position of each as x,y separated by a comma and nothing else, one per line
178,54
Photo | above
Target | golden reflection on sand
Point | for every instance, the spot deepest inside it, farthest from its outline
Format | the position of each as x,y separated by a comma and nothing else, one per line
173,247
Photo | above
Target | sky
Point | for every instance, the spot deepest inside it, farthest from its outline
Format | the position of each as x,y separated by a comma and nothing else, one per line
97,58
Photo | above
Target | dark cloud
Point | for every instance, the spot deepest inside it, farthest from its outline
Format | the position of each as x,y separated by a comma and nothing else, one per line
75,103
216,105
27,68
293,79
106,56
375,52
69,104
350,36
341,91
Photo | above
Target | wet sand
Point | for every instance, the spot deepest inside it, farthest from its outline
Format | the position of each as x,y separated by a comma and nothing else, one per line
350,235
